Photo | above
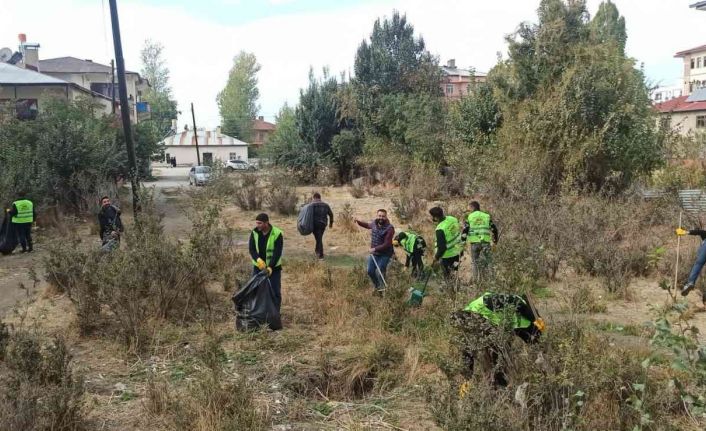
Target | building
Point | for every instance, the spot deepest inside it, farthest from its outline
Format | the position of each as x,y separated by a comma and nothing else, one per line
94,78
261,131
701,5
694,75
662,94
21,91
686,113
456,82
213,145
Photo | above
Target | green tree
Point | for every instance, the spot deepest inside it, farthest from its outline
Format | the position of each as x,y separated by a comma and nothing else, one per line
237,102
608,26
476,118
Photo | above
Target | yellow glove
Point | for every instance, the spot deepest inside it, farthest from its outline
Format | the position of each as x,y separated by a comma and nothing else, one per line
463,389
539,323
395,243
269,271
260,264
681,232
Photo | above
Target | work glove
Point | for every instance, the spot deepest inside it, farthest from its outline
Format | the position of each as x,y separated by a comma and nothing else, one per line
539,323
269,271
260,264
681,232
395,243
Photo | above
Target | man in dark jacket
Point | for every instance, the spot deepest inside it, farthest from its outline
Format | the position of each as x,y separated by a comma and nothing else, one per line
266,245
414,248
110,225
23,216
698,263
322,216
381,249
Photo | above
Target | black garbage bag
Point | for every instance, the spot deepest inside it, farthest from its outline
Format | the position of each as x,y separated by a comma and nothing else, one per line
255,305
8,236
305,222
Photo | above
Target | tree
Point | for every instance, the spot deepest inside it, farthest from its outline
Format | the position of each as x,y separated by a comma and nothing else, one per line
237,102
476,118
317,113
608,26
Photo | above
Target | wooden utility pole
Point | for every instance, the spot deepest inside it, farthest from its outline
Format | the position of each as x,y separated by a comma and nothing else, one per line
196,136
112,85
125,108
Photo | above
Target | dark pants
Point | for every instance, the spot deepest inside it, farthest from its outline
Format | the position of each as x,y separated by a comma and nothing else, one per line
276,283
24,235
482,262
450,265
382,262
416,259
319,236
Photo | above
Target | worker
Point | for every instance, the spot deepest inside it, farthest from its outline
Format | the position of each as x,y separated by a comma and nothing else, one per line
479,231
23,216
414,248
481,320
110,226
698,263
322,216
266,246
381,249
448,246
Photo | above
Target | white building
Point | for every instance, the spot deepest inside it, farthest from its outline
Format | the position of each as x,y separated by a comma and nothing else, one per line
694,68
213,145
662,94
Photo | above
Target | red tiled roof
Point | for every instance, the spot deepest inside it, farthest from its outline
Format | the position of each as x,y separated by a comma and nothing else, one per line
689,51
258,124
679,104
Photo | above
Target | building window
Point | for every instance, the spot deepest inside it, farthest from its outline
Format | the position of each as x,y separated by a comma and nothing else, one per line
25,109
692,63
449,89
698,62
232,156
658,97
700,121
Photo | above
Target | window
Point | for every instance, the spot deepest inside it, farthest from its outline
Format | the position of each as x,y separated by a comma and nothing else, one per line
233,156
104,88
658,97
449,89
692,63
698,62
26,109
700,121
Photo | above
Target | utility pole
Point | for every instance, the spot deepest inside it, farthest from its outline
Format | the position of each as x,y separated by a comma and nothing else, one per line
112,85
196,136
125,108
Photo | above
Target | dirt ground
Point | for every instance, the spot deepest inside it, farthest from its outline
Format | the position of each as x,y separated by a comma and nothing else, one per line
108,373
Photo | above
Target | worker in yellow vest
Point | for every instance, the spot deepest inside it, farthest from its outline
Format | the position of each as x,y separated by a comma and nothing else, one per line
449,245
480,232
23,216
266,245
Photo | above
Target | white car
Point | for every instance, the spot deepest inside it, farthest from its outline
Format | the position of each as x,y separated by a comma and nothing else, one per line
239,165
199,175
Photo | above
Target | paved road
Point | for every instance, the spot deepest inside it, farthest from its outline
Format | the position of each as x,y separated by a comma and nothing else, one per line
169,177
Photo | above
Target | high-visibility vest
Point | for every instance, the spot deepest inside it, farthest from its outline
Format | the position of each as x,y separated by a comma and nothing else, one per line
452,234
479,227
274,234
25,211
409,242
497,317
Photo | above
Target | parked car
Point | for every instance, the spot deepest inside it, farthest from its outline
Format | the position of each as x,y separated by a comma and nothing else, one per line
199,175
239,165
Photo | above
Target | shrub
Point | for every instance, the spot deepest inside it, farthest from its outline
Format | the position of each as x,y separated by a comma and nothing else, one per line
39,389
345,218
357,190
282,198
249,193
408,206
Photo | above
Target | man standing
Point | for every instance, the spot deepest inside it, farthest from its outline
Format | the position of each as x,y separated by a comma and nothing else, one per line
698,263
414,247
23,215
322,216
381,249
449,245
479,230
109,224
266,246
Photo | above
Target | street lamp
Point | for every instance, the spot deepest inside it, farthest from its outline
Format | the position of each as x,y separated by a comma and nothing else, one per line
701,5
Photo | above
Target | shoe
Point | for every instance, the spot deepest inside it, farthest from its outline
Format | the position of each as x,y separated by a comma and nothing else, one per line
686,289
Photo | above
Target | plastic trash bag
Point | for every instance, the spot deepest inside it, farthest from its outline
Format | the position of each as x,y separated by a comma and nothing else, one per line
305,222
255,305
8,236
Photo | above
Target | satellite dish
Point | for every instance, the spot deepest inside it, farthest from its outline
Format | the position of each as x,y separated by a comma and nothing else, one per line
5,55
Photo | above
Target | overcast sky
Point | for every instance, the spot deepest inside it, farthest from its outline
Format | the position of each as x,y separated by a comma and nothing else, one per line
288,36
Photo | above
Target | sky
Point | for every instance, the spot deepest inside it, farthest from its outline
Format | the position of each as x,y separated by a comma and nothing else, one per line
289,37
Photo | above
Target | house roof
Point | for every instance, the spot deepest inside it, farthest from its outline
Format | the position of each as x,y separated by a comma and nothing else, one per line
206,138
701,5
262,125
689,51
680,104
73,65
455,71
14,75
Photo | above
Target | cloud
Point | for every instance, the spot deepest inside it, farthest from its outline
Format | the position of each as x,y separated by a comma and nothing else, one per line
200,52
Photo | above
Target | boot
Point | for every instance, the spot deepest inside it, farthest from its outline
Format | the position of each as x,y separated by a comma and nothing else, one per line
686,289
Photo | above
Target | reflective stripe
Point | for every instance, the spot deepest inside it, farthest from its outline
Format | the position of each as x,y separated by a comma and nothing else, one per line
25,211
409,242
479,227
452,234
274,234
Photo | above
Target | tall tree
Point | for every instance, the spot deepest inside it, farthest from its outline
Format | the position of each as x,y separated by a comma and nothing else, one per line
238,100
608,26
